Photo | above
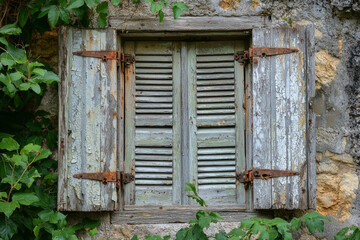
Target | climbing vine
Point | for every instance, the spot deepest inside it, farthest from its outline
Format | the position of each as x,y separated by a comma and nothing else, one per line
28,179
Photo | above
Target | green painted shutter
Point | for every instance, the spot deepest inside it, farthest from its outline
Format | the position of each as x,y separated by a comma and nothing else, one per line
152,123
216,121
87,120
283,124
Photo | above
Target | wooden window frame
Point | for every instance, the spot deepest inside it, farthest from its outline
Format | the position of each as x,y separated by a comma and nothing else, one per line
192,28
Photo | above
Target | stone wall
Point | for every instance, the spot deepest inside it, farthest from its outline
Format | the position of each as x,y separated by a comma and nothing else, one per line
337,101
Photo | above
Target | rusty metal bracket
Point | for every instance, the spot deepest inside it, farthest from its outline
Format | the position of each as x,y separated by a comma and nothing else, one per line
105,177
248,176
120,57
253,54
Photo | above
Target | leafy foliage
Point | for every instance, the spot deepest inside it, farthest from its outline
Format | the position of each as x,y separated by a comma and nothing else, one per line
28,174
253,228
348,233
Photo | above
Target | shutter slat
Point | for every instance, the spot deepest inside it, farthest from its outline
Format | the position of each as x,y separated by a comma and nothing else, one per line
154,76
214,70
215,76
153,58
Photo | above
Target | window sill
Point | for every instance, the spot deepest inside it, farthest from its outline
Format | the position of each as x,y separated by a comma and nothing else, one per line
180,214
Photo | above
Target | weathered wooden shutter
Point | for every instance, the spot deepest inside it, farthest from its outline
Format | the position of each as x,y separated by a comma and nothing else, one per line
216,121
283,126
87,120
152,123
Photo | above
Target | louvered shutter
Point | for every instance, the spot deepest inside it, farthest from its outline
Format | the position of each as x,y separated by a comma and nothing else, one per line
283,125
87,120
216,121
152,123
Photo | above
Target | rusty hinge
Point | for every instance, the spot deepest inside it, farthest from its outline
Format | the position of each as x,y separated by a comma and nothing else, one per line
105,177
253,54
256,173
120,57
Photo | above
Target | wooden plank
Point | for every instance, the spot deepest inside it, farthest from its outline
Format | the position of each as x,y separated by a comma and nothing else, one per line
65,55
240,124
185,129
311,118
191,118
280,97
108,132
188,24
130,131
158,216
88,112
262,196
177,130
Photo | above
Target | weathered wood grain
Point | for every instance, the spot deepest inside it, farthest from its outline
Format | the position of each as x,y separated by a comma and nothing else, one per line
280,114
311,124
179,215
87,120
188,24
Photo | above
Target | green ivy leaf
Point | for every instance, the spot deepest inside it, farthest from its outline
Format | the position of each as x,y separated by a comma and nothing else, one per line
75,4
295,223
314,224
48,77
35,87
135,237
9,88
4,41
19,160
177,12
53,15
204,222
90,3
25,198
44,153
39,71
103,8
29,177
116,2
8,207
24,86
23,16
92,232
9,144
161,16
64,15
57,217
3,194
7,60
19,55
8,228
102,20
30,148
10,29
221,236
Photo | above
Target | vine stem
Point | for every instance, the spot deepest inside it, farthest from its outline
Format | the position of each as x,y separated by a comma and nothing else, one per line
12,188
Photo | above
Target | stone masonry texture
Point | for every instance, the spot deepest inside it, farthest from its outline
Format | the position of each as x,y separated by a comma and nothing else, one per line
336,104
